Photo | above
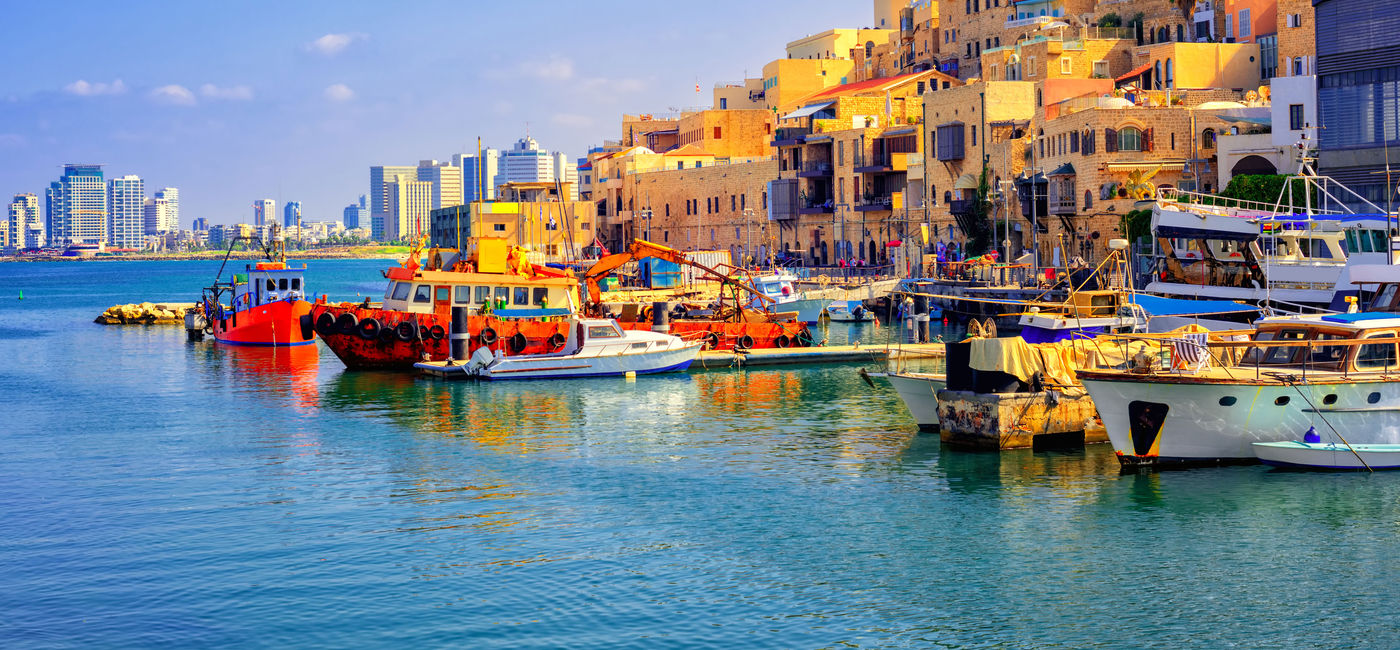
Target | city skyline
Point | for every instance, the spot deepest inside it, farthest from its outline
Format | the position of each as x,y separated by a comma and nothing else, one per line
302,117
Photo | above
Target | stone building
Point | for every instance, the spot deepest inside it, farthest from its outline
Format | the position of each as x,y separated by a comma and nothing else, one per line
713,207
1297,38
728,133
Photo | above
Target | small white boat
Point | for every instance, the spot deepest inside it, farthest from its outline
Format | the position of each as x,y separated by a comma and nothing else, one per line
919,390
849,311
1296,454
594,348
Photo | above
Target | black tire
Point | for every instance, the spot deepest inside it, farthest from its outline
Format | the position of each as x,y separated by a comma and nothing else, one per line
518,343
346,323
406,331
488,336
437,333
386,334
804,339
370,328
745,341
308,328
782,341
557,341
711,341
325,324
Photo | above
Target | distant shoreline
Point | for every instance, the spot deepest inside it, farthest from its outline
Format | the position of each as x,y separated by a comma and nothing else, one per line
345,253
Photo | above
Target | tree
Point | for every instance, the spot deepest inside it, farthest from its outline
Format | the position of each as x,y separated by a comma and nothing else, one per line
1110,19
1137,225
1266,188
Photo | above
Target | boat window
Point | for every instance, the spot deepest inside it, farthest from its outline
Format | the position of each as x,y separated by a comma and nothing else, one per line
602,332
503,295
1274,355
463,295
296,284
1376,355
1329,399
423,293
1351,242
282,284
1282,400
1385,298
483,294
271,284
1328,356
1320,249
401,290
443,294
522,296
1379,241
1373,398
541,297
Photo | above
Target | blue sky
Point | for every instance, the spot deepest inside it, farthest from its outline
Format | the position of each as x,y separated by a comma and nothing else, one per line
236,101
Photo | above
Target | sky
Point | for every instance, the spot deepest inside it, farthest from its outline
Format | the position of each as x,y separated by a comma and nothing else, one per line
294,101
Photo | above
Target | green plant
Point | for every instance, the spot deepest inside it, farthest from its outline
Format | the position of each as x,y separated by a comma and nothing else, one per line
1137,225
1110,19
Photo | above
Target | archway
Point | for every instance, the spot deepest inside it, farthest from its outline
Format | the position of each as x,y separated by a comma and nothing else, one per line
824,255
1253,166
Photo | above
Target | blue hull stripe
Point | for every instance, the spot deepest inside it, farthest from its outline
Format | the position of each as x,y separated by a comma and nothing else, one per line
263,345
676,368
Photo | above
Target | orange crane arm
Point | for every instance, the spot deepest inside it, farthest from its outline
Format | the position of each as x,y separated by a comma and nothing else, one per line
642,249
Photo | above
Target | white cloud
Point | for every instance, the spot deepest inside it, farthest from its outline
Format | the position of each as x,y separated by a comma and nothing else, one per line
83,88
11,140
339,93
572,120
173,94
557,68
241,93
333,44
604,84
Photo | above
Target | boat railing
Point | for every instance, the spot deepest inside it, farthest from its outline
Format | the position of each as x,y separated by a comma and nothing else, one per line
1173,349
1204,200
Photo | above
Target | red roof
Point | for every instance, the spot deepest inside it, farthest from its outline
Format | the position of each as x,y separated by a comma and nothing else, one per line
1135,72
861,86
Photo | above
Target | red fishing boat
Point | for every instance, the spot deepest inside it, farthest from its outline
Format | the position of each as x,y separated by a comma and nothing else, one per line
266,306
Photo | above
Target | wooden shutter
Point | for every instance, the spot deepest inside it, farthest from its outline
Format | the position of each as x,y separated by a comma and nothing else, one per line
1110,141
1147,140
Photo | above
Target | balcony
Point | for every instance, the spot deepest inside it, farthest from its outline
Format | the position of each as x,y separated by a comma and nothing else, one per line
815,169
811,206
1063,205
1013,22
962,207
790,136
875,203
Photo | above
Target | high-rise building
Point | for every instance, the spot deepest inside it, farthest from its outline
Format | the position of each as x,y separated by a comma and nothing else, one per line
379,178
78,206
526,162
479,174
264,212
446,180
199,223
25,227
291,214
126,212
157,216
565,171
410,204
53,213
172,211
357,214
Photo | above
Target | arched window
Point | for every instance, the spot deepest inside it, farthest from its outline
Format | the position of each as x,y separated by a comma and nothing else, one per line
1208,139
1088,199
947,198
1129,139
1162,35
1180,34
1040,136
1170,79
1157,76
933,194
1298,66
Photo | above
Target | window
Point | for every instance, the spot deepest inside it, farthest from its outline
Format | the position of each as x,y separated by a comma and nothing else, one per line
717,133
1208,139
282,284
841,152
950,141
423,294
271,284
296,284
974,135
1030,65
522,296
1170,80
443,294
1066,66
503,295
1229,26
731,203
1376,355
483,294
401,290
603,332
1101,69
723,103
541,297
1295,117
498,227
1245,26
1129,139
463,295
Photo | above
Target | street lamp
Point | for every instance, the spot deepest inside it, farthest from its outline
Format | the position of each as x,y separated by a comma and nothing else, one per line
748,237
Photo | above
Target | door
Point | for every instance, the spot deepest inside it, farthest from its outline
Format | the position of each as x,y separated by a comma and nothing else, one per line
442,303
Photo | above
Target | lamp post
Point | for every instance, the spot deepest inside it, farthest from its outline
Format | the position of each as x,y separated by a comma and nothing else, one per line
748,238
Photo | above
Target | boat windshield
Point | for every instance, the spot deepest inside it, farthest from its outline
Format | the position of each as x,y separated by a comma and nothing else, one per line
1321,357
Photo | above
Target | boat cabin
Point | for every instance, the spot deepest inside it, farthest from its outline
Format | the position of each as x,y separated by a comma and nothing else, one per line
1353,357
427,292
267,282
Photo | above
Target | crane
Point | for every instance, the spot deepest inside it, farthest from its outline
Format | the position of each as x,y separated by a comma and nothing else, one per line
642,249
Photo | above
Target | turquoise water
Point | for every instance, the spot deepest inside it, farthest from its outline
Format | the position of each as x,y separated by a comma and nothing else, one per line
159,493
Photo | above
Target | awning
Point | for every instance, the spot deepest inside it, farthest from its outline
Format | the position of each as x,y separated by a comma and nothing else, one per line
1066,169
1135,72
966,182
1249,115
1159,306
1145,164
904,131
807,111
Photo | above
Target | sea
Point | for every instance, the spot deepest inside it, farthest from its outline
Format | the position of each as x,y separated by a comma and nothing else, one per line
160,493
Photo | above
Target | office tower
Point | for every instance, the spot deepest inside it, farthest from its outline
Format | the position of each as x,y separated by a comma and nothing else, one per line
126,216
446,180
379,178
172,210
410,203
157,216
264,212
199,224
479,174
1358,99
526,163
565,171
357,215
25,227
53,213
78,206
291,214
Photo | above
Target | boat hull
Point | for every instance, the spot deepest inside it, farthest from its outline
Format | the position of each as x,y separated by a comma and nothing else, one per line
575,367
276,324
360,352
1184,422
919,392
1327,455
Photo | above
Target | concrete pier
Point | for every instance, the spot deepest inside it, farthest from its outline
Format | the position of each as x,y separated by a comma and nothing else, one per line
995,421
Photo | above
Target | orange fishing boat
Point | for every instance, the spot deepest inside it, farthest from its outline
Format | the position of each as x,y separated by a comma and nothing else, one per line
267,304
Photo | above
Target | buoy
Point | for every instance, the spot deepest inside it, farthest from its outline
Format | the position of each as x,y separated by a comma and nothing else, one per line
630,375
21,295
1311,435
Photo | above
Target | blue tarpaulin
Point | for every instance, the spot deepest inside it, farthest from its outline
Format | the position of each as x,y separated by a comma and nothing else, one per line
539,312
1159,306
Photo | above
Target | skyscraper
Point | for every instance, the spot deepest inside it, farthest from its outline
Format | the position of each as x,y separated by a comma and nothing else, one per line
264,212
53,213
199,223
446,180
291,214
126,212
526,162
565,171
479,174
379,178
357,215
78,206
410,203
25,228
172,211
157,216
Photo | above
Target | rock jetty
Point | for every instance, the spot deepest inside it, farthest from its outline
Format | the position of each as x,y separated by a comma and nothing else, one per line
146,313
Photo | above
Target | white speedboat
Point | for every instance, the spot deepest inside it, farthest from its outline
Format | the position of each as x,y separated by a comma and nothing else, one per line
849,311
919,390
594,348
1296,454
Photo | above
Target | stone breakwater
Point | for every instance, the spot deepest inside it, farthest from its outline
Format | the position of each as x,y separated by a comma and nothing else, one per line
146,313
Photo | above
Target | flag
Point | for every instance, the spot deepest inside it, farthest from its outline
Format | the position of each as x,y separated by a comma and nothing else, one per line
923,227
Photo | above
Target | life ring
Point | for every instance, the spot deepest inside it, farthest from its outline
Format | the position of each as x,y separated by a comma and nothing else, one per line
556,341
711,341
369,329
325,324
518,342
386,334
406,331
782,341
437,333
488,336
804,339
346,323
745,341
